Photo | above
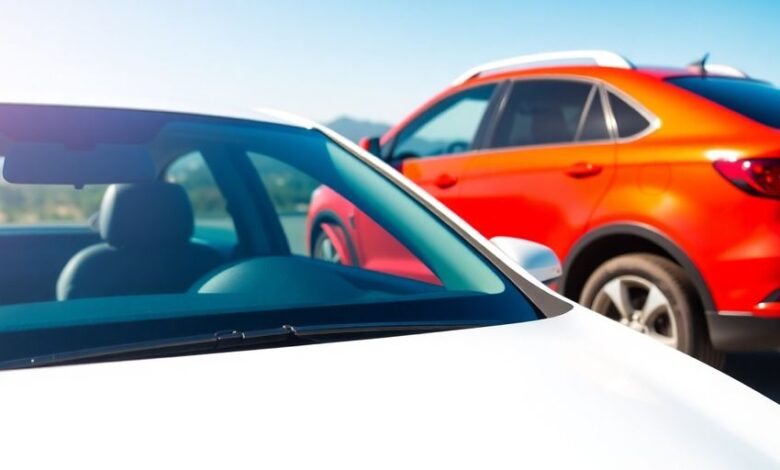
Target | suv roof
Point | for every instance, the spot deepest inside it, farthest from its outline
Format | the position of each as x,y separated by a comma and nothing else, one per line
587,59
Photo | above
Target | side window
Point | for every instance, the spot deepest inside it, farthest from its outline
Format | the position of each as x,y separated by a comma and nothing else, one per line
542,112
629,120
594,126
213,222
290,191
448,127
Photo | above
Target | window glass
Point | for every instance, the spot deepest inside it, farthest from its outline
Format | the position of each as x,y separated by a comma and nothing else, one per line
449,127
361,253
759,101
594,127
629,120
212,220
542,112
290,191
22,204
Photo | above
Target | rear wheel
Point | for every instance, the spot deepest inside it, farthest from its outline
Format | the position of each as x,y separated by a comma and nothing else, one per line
654,296
325,249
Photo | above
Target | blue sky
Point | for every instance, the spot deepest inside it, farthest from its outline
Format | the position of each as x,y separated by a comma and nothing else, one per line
375,60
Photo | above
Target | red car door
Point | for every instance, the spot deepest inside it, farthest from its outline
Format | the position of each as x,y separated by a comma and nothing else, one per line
553,159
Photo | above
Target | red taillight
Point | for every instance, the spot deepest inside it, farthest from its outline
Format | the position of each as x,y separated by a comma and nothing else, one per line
758,176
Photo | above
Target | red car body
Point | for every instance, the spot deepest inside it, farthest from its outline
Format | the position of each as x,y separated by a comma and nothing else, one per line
697,186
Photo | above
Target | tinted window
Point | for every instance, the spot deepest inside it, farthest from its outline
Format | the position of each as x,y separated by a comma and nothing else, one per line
757,100
629,120
448,127
542,112
594,126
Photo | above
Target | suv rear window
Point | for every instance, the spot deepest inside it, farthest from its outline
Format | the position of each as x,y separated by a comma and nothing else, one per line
757,100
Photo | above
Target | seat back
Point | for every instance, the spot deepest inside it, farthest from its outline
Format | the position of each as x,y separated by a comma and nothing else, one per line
146,230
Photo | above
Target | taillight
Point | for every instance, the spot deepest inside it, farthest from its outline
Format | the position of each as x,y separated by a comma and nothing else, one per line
757,176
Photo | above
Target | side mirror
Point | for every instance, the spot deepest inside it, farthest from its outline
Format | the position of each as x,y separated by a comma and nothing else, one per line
537,259
372,145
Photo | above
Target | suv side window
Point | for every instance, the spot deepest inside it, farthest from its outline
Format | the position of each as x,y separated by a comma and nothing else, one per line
542,112
213,222
629,120
448,127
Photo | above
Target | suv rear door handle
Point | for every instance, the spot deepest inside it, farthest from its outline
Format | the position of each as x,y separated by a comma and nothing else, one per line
445,181
583,170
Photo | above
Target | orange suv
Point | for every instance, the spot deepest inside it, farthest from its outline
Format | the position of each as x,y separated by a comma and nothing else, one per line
658,187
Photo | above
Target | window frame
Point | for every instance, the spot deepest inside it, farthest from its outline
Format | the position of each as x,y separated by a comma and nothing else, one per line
602,88
483,127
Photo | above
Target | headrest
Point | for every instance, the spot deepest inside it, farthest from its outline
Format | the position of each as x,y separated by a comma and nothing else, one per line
148,214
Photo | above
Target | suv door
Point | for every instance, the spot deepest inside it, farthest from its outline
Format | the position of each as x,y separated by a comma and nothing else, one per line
432,149
552,158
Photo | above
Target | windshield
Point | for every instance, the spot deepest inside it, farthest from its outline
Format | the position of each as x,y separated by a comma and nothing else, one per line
123,227
756,100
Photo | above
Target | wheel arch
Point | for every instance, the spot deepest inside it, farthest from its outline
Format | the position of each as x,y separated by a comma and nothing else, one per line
606,242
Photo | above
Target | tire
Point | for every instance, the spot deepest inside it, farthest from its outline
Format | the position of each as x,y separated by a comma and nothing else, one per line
653,295
324,249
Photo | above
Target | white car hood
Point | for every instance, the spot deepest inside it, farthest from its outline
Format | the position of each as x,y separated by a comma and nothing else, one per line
573,391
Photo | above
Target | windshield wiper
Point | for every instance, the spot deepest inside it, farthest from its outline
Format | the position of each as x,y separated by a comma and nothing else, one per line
232,340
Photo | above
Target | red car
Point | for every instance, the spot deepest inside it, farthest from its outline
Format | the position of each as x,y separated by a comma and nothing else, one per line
658,187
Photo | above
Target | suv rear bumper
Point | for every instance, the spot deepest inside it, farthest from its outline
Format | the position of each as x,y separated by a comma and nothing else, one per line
743,331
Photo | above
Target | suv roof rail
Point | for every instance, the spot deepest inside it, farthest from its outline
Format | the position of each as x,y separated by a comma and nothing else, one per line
600,58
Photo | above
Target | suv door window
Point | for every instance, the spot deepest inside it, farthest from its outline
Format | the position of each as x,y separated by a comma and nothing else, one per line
448,127
542,112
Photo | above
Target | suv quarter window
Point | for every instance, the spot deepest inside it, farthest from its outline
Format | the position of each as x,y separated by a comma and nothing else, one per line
542,111
450,126
629,120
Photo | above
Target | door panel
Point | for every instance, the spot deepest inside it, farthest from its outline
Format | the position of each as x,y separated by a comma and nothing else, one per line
532,194
434,148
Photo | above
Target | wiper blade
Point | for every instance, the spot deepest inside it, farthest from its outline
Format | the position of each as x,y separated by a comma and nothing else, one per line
234,339
156,348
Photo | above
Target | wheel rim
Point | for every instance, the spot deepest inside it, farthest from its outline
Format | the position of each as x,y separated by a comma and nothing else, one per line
640,305
325,250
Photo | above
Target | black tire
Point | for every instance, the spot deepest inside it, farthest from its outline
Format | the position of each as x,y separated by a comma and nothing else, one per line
684,306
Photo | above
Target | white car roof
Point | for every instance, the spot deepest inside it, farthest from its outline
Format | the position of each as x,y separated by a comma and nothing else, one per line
258,114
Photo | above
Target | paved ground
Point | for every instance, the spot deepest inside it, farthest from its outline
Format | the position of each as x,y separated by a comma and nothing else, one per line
761,371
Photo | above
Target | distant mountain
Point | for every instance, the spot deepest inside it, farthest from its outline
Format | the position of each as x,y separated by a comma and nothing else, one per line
356,129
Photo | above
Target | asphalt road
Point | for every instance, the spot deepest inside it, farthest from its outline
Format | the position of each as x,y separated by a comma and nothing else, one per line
760,371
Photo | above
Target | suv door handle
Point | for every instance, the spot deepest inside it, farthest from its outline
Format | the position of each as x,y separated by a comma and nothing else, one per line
445,181
583,170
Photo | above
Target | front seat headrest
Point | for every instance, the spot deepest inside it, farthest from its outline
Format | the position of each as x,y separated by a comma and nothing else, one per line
148,214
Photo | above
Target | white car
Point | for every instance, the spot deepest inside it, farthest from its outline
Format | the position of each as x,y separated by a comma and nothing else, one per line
159,308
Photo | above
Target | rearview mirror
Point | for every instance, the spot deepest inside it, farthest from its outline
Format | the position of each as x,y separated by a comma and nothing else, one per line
540,261
371,144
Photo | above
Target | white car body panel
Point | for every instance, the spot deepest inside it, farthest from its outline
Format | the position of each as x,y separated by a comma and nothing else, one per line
573,391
